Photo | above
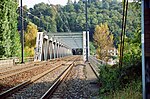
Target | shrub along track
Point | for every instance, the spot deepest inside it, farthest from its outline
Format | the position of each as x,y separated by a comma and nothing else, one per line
19,77
39,87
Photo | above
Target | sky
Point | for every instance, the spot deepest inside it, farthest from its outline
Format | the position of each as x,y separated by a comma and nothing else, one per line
31,3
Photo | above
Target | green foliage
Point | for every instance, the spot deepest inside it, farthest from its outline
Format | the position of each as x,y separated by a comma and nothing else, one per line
9,37
109,79
44,16
105,5
106,11
71,17
92,49
113,79
129,77
121,83
132,49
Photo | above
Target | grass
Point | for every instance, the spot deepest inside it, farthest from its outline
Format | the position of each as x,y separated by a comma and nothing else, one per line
132,90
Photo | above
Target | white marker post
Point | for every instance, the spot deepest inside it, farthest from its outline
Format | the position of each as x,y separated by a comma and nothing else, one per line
84,45
38,50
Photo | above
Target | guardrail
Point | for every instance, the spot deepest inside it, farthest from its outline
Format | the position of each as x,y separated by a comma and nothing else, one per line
13,60
29,59
95,63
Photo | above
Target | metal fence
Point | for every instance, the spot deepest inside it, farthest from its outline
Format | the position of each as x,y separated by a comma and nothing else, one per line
96,63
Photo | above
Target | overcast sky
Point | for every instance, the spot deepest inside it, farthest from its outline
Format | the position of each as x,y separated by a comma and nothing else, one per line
31,3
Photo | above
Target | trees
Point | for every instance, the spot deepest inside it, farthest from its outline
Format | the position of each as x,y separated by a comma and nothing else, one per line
15,36
57,18
92,48
9,37
103,40
105,5
44,16
3,30
30,39
132,49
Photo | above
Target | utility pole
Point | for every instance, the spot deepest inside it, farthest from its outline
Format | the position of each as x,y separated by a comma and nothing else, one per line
86,29
22,33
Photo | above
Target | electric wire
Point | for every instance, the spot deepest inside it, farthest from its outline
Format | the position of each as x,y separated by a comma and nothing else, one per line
64,22
69,28
34,16
25,19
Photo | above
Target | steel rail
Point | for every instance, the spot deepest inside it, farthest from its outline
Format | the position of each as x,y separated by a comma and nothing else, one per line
8,92
11,72
14,89
94,70
23,70
57,82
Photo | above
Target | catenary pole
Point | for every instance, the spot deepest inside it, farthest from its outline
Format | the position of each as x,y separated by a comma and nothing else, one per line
22,33
86,31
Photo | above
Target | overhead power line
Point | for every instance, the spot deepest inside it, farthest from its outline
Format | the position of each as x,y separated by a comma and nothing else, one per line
34,16
25,19
64,22
29,13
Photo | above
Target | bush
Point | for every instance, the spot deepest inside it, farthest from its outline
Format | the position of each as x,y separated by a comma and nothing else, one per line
109,79
113,79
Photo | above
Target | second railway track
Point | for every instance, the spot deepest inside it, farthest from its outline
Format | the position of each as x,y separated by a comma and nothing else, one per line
44,82
5,72
18,77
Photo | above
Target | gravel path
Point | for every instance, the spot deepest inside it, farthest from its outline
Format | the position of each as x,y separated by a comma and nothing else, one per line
80,84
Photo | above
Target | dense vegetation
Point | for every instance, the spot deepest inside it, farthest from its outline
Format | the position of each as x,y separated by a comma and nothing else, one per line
57,18
9,36
102,15
30,39
122,82
103,41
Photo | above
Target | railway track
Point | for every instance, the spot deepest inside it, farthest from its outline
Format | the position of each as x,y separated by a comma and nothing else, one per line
35,78
80,83
50,92
18,77
56,83
12,69
26,68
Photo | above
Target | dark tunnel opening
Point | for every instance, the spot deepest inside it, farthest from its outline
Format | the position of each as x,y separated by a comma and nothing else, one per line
78,51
